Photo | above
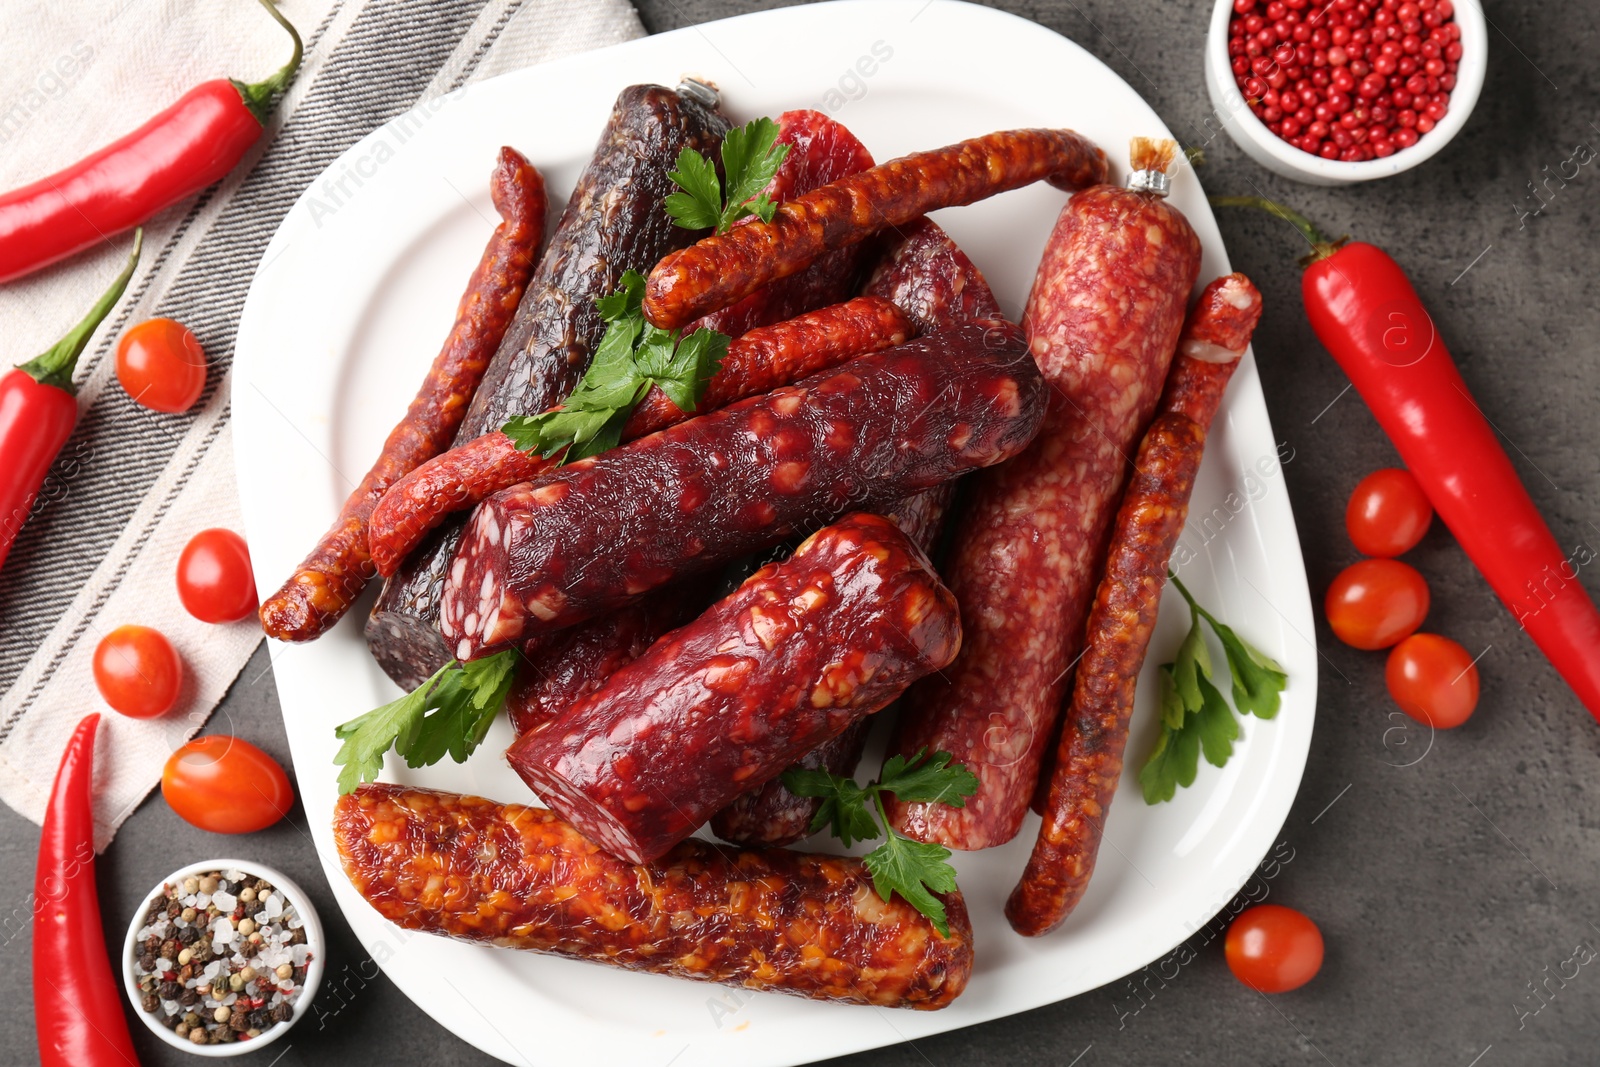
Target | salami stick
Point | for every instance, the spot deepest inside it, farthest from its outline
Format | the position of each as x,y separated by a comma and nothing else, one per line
1089,757
604,530
328,580
724,268
759,361
1102,321
723,704
518,877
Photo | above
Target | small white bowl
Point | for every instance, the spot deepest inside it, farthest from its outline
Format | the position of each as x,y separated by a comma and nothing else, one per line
1281,157
314,938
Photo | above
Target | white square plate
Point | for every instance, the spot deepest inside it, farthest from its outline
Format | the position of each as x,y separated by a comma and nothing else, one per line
357,290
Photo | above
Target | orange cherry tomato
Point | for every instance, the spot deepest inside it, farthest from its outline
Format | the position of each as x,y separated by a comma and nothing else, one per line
1376,602
161,365
215,582
226,785
1273,949
1433,679
138,671
1388,513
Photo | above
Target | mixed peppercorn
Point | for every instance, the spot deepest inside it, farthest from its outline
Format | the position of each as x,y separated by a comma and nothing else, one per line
1350,80
221,957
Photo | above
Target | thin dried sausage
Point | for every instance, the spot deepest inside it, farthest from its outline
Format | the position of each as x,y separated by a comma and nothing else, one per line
721,705
1102,320
1094,733
614,221
328,580
759,361
518,877
604,530
725,268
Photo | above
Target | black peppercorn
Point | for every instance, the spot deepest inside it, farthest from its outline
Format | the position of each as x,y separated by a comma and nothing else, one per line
188,935
282,1013
147,962
150,1002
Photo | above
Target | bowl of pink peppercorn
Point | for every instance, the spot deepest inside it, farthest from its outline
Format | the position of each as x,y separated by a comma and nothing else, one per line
1331,92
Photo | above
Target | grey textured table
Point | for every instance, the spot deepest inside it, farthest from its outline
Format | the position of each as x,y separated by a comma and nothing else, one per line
1447,886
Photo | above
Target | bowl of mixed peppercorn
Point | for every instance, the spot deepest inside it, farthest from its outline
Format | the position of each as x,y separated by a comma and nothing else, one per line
223,958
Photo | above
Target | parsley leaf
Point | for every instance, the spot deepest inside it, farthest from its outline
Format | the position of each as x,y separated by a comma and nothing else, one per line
448,714
750,158
632,357
913,869
1195,718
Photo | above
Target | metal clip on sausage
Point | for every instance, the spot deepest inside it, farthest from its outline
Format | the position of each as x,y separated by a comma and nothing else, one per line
1152,165
703,93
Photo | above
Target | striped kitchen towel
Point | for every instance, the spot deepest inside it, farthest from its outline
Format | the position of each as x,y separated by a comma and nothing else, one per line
132,486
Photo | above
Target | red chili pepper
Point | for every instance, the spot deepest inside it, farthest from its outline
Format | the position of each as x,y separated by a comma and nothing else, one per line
182,150
76,1001
39,408
1366,313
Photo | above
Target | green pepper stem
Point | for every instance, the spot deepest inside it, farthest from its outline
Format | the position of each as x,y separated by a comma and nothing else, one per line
1321,246
258,96
56,364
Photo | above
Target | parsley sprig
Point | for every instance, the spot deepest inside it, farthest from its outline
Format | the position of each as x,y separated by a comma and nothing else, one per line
632,356
914,869
1195,719
750,157
449,714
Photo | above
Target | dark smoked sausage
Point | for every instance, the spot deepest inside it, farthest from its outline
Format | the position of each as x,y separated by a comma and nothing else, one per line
1095,732
1103,319
604,530
723,704
759,361
518,877
613,222
328,580
928,277
725,268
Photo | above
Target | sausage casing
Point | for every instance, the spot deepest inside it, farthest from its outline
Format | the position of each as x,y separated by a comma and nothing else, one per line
604,530
725,703
518,877
1103,318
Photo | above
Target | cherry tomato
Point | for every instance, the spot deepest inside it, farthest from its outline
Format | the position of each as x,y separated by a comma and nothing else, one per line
1433,679
1273,949
1374,603
1388,513
138,672
215,582
161,365
226,785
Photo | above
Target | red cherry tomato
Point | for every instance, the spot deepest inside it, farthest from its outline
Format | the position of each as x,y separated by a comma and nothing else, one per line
1374,603
1433,679
138,672
161,365
226,785
215,582
1273,949
1388,513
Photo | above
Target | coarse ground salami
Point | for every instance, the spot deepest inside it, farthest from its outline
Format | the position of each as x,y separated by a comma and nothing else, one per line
759,361
614,221
1095,731
719,706
1102,320
723,269
604,530
328,580
518,877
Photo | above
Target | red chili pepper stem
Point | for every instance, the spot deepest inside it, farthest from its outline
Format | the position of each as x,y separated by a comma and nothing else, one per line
56,364
1321,245
258,96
